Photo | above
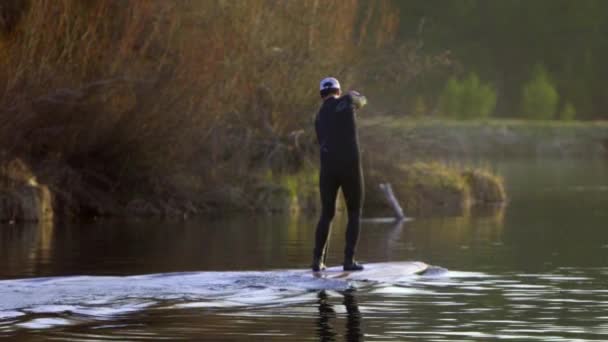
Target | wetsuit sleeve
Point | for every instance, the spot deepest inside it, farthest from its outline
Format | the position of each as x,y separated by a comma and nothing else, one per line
357,100
345,104
318,129
345,112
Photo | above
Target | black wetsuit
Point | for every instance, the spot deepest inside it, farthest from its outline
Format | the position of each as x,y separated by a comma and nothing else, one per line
340,168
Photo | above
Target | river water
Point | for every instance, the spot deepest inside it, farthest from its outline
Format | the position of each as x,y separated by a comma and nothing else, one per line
533,270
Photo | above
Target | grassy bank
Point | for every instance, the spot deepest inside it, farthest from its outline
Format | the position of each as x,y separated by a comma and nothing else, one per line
422,189
404,152
428,139
433,188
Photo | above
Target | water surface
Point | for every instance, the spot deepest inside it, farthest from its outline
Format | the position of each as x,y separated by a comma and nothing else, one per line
534,270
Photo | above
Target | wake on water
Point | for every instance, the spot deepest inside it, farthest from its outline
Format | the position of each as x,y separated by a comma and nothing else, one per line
103,296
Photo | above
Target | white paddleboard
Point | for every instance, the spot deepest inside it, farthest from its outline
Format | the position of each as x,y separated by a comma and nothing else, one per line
389,272
242,287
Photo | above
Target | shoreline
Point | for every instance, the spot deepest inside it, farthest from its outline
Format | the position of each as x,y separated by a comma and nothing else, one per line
410,149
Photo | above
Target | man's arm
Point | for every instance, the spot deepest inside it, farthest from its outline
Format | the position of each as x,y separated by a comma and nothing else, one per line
352,100
357,100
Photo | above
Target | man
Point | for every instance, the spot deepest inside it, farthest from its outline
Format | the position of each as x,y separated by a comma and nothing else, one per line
340,168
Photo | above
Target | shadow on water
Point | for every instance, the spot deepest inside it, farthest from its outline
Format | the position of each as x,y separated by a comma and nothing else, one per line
326,330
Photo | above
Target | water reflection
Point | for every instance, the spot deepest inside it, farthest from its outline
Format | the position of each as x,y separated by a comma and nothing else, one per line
326,313
353,317
25,247
326,330
233,243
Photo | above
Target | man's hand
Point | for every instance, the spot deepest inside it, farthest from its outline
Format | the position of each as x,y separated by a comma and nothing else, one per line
358,100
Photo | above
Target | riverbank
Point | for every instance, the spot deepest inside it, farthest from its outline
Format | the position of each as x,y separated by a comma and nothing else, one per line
422,189
397,151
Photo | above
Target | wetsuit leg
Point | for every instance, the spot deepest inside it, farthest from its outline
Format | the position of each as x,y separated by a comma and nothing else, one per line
352,188
328,186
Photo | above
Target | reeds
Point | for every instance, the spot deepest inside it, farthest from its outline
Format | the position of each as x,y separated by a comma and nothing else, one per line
139,88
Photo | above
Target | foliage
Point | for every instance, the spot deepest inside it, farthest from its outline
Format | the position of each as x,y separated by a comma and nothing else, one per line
467,99
503,40
137,89
539,96
485,186
419,107
568,112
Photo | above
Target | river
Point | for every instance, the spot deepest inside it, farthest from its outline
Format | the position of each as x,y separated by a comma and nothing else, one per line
535,269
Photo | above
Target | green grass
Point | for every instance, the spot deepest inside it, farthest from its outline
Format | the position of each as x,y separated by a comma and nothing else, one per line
434,188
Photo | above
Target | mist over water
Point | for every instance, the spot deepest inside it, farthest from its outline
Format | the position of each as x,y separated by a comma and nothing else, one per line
534,270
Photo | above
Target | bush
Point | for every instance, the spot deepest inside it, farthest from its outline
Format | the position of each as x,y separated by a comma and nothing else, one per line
431,188
137,90
568,112
539,96
485,187
419,108
468,99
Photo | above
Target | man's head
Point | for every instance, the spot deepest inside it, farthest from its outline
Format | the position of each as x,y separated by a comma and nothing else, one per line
329,87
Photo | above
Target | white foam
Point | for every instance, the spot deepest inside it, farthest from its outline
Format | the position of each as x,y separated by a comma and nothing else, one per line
458,274
44,323
410,291
51,308
10,314
117,309
214,304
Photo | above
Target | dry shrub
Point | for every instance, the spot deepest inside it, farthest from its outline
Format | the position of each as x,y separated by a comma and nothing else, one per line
485,186
15,172
140,88
21,197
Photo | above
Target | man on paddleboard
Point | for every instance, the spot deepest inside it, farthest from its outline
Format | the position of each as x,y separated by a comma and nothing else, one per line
336,130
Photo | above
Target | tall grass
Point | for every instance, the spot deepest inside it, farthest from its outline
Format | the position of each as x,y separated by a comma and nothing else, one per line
138,88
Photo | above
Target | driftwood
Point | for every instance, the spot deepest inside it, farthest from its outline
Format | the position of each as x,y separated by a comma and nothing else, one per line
387,190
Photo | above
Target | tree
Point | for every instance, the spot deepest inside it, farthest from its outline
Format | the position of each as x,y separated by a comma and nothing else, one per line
539,96
468,99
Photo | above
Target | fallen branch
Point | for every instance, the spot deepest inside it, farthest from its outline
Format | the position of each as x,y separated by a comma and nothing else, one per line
387,190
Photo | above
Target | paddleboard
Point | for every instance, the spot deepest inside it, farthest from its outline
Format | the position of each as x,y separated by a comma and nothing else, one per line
376,272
